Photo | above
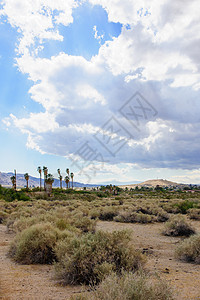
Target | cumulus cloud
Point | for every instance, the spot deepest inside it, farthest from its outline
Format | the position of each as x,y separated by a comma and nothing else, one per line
155,54
37,20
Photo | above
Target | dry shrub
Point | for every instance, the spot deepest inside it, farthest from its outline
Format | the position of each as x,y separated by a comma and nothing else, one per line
194,213
189,249
107,214
85,224
60,218
3,217
93,256
129,286
133,217
36,244
178,226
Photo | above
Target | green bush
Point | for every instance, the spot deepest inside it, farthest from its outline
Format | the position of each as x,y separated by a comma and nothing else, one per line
178,226
129,286
189,249
185,205
10,195
89,258
36,244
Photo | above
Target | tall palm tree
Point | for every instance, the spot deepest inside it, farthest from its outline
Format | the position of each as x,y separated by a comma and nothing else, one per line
67,181
60,177
49,181
67,170
72,176
40,172
13,181
45,170
26,176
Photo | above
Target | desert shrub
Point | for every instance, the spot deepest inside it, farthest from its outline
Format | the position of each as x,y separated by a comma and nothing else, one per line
107,214
103,194
133,217
162,216
189,249
178,226
41,196
129,286
85,224
194,213
170,208
3,217
10,195
160,213
185,205
89,258
35,244
94,213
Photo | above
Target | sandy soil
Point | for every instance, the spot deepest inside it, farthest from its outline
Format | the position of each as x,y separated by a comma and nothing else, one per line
36,281
24,282
184,278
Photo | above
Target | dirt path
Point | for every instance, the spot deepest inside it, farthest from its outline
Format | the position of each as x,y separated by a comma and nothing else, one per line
183,277
24,282
35,281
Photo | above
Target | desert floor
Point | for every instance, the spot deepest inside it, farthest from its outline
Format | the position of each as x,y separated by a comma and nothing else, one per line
37,282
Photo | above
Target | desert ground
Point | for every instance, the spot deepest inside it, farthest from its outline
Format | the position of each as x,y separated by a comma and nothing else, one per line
37,281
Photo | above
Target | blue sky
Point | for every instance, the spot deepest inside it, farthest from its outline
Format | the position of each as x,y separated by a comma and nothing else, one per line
71,68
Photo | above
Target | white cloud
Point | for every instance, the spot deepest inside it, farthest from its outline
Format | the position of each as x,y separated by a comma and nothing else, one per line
156,55
97,36
37,19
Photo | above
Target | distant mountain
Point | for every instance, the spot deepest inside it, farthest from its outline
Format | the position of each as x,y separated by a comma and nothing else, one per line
115,182
34,181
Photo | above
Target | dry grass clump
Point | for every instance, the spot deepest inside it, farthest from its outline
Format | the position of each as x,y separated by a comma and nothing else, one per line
3,217
89,258
108,213
178,226
129,286
35,245
133,217
85,224
194,213
189,249
58,217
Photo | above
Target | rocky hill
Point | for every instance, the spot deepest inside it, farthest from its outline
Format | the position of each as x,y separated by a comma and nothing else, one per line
155,182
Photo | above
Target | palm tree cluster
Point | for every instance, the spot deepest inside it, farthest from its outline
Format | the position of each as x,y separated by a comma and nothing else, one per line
48,178
67,178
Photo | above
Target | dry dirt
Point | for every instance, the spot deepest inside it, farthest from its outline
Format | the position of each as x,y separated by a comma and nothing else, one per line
36,281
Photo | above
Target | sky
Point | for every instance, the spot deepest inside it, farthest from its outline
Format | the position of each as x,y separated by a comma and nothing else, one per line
109,89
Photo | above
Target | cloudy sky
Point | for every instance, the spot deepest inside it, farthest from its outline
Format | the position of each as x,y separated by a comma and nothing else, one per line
108,88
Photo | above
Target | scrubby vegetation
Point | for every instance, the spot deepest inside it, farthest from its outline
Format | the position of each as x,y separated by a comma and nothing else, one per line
35,244
189,249
129,286
178,226
88,259
61,230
